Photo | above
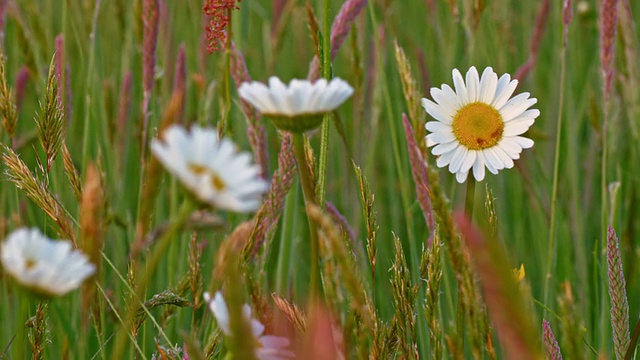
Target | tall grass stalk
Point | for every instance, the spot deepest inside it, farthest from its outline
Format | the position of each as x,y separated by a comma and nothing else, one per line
551,245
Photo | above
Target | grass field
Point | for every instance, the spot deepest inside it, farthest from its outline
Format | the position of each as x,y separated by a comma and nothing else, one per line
406,271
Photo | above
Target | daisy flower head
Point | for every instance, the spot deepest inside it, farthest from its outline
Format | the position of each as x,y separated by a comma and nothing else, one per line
479,124
211,168
299,106
267,347
44,266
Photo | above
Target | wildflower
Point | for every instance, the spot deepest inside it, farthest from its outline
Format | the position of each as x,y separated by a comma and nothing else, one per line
45,266
518,273
300,105
267,347
220,13
478,125
210,168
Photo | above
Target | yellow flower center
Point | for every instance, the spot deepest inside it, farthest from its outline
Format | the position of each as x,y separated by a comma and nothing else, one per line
216,180
29,264
478,126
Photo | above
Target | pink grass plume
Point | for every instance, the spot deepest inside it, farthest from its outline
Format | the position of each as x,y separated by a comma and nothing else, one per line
538,33
180,82
608,25
124,110
220,17
22,79
551,346
150,16
420,177
63,73
618,295
339,31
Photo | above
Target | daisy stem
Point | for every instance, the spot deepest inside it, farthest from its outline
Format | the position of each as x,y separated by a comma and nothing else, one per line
309,197
162,245
285,251
469,197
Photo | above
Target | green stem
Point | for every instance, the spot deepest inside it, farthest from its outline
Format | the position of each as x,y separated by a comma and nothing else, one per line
144,277
309,197
286,243
551,255
21,342
324,138
470,197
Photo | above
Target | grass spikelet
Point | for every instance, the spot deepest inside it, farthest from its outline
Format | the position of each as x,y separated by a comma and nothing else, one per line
550,343
608,26
22,78
180,82
63,74
346,265
233,244
492,214
434,275
38,336
7,102
367,198
124,109
150,19
420,177
281,182
72,172
292,312
91,229
339,31
195,272
38,192
412,94
255,130
618,295
571,327
404,299
538,33
515,328
50,118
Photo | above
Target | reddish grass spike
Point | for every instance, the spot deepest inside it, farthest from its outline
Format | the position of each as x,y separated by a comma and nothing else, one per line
538,34
339,31
220,13
608,25
515,327
255,131
420,177
150,16
281,183
22,79
550,343
180,82
618,295
124,106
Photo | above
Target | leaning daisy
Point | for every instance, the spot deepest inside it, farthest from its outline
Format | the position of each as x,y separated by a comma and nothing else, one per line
299,106
478,125
44,266
267,347
211,168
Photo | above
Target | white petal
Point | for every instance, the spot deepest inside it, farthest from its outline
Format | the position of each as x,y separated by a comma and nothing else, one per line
469,159
473,84
523,142
461,89
443,148
505,88
516,106
436,111
441,137
461,177
446,99
488,85
478,167
435,126
458,158
518,128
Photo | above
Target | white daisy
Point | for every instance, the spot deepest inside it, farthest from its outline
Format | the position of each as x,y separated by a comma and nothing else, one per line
478,125
45,266
267,347
300,105
211,168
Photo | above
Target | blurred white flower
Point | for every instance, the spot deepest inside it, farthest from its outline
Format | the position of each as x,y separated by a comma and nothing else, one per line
45,266
268,347
211,168
300,105
478,125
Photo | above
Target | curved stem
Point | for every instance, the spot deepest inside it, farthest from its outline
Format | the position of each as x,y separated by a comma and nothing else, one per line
309,197
144,276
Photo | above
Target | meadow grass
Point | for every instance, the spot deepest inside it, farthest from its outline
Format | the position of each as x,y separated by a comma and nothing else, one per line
401,276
